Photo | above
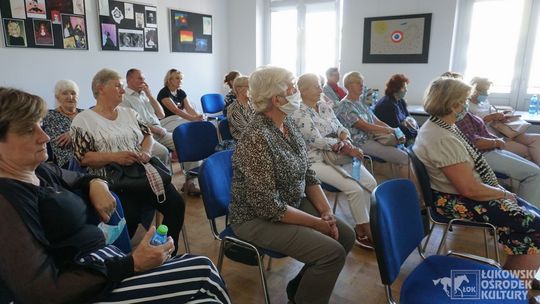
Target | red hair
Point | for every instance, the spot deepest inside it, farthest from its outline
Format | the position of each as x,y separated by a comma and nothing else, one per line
395,83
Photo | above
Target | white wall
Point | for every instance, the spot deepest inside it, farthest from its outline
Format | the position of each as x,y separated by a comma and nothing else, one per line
420,75
37,70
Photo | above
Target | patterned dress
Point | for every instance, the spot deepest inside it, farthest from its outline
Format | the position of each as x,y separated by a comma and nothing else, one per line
56,124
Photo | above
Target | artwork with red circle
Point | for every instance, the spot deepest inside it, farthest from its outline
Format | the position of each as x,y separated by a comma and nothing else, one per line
396,36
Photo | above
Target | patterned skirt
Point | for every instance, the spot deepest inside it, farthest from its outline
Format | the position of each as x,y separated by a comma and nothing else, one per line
518,225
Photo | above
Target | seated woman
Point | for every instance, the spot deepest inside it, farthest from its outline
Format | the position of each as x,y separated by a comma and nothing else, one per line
240,112
526,145
178,110
363,125
392,108
58,121
332,89
109,134
54,256
230,98
463,184
524,172
322,131
277,202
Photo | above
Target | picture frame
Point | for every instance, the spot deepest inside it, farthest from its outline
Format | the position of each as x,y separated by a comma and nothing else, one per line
190,32
397,39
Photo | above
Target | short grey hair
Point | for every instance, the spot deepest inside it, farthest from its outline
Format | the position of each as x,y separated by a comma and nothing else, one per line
305,80
102,78
240,80
352,77
65,85
444,94
267,82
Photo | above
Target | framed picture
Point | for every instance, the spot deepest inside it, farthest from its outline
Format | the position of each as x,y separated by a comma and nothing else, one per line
14,32
190,32
397,39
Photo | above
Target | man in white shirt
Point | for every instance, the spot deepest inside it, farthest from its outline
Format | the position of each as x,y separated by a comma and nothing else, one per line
139,98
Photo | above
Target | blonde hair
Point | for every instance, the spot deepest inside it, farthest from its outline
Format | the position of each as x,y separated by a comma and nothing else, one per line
170,74
267,82
445,94
352,77
240,81
103,77
14,29
20,111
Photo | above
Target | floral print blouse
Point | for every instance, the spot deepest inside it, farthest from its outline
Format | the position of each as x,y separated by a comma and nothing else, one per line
349,112
319,130
56,124
271,171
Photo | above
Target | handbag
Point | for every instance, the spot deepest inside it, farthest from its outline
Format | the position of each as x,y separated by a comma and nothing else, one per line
388,139
333,158
512,128
133,178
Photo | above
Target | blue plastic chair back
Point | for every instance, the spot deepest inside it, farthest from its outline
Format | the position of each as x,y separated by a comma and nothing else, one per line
215,181
396,225
224,130
212,103
195,140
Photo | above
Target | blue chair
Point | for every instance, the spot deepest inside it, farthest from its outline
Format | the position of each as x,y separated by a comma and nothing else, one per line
332,189
224,130
436,219
213,105
194,141
215,181
397,230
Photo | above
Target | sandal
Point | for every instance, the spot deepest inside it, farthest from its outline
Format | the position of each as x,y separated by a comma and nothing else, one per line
190,188
364,242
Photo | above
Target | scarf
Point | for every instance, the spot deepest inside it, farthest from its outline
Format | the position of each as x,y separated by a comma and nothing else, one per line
480,164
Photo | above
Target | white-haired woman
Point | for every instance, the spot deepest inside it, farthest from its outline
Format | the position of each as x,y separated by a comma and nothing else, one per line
277,202
178,110
109,134
240,112
58,121
322,132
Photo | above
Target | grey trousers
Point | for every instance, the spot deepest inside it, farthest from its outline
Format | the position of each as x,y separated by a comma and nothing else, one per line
323,256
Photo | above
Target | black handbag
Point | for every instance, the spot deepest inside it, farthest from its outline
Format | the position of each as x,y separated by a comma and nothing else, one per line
133,178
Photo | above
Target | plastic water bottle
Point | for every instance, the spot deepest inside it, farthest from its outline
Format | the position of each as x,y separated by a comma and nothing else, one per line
533,105
356,168
375,96
160,236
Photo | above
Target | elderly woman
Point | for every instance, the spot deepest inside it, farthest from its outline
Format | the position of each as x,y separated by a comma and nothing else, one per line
109,134
230,98
58,121
332,89
364,125
392,108
178,110
277,202
526,145
463,184
240,112
322,132
54,256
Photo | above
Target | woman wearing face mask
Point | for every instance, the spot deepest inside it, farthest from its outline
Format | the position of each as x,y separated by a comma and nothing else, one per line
526,145
392,108
277,202
58,121
463,184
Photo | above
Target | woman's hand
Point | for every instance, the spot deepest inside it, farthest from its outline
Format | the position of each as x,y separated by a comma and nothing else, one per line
353,151
330,219
125,158
102,199
146,256
64,140
343,136
144,157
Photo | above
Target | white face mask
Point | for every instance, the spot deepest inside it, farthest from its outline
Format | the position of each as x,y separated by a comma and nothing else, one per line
293,104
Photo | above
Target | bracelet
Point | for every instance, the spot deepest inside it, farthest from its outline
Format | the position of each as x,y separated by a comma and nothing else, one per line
504,191
93,180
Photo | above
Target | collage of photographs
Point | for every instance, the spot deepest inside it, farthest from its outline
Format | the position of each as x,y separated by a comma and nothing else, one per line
59,24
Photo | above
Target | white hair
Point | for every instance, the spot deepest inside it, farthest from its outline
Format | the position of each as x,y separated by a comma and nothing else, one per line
65,85
267,82
102,78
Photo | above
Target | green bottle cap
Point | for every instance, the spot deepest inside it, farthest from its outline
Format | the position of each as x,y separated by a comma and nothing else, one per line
162,229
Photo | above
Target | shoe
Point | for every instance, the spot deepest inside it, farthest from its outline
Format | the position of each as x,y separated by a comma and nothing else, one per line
292,287
535,284
364,242
190,188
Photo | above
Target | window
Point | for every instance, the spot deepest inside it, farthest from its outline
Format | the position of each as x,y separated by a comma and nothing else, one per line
304,35
500,39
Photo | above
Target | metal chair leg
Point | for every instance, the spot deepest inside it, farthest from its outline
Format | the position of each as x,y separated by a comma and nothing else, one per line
335,201
220,256
184,236
263,280
496,245
269,265
486,243
443,240
429,237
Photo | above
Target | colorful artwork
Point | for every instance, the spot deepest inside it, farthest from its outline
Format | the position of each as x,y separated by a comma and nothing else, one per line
36,9
74,26
43,34
108,33
14,32
186,37
190,32
181,20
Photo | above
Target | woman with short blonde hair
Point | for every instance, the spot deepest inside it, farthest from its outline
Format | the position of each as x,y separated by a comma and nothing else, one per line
240,112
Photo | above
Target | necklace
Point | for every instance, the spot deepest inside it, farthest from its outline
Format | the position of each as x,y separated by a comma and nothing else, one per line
66,113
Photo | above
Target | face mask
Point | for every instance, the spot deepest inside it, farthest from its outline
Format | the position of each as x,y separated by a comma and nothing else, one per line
112,232
401,94
481,98
461,115
293,104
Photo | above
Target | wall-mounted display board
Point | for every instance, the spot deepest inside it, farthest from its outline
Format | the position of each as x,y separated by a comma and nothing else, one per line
57,24
127,26
191,32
